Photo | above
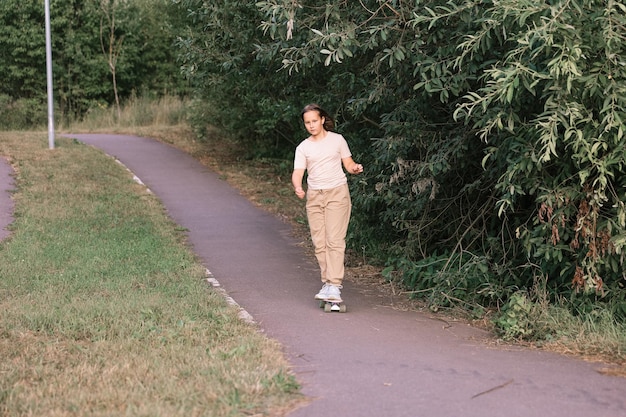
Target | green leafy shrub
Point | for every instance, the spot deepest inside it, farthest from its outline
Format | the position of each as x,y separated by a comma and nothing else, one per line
447,281
486,128
22,114
144,33
516,318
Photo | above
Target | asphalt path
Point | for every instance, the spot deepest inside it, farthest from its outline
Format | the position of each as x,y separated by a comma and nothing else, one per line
374,360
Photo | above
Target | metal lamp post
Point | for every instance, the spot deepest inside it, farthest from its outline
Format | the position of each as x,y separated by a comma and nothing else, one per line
49,76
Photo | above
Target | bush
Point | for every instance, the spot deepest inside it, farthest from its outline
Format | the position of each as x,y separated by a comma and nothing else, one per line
486,128
22,114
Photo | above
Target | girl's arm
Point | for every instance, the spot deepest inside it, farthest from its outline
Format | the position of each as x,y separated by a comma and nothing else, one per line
351,166
296,180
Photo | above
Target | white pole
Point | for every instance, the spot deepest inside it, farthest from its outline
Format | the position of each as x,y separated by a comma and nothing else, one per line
49,77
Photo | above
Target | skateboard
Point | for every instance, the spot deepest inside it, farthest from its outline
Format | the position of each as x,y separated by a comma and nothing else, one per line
332,305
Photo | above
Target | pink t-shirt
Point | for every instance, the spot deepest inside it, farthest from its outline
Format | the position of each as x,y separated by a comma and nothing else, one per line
322,160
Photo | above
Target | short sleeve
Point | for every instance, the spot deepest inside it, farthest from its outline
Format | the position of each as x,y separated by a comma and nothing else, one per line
344,149
299,160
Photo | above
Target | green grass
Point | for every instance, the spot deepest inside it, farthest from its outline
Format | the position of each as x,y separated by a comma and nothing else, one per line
104,309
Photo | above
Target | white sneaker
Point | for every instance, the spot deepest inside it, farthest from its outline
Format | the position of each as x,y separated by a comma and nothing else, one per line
333,293
323,294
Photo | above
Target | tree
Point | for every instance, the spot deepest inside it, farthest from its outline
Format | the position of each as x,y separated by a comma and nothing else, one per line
22,64
111,43
22,44
492,131
245,92
81,71
540,84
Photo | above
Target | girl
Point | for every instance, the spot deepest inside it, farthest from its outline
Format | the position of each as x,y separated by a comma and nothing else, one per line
328,202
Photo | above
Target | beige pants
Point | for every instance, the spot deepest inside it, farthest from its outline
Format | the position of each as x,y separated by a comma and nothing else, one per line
328,212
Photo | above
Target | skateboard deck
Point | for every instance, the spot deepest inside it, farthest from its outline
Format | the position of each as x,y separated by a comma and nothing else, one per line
330,306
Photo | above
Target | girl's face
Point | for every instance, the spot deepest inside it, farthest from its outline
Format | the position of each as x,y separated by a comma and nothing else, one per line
313,122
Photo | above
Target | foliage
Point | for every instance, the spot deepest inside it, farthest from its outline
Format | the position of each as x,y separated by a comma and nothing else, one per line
245,92
486,127
16,114
551,108
515,320
80,70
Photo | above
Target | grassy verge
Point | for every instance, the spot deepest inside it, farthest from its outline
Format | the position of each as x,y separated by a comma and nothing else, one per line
105,311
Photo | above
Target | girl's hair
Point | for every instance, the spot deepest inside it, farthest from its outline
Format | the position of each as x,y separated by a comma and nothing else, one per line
329,123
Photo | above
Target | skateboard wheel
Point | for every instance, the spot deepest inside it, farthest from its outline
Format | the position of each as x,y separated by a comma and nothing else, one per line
343,308
328,307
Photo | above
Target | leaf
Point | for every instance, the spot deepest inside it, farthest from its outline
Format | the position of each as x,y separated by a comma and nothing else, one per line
509,93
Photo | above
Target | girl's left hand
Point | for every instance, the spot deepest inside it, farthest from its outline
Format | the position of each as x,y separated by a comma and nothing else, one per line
357,169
